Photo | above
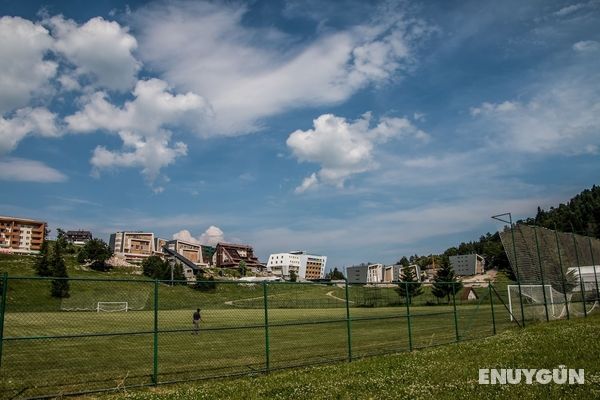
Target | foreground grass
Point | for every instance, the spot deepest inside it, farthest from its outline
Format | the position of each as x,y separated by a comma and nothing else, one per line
446,372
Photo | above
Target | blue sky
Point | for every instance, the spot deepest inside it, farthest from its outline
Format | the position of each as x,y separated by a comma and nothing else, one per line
360,130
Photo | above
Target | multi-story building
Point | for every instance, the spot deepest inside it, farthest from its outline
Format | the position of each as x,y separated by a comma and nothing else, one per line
379,273
467,264
21,235
78,238
133,246
305,266
371,273
191,251
159,243
228,255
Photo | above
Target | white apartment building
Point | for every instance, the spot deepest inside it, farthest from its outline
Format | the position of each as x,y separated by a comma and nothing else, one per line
305,266
378,273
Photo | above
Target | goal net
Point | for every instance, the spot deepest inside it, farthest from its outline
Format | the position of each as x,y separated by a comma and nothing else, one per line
87,295
112,306
536,299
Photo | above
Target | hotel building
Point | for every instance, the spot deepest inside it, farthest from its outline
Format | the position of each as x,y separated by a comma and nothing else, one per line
305,266
21,235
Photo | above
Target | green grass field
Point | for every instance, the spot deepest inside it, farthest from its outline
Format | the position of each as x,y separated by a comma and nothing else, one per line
444,372
47,350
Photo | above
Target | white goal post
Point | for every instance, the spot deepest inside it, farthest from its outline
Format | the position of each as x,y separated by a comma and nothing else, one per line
533,294
112,306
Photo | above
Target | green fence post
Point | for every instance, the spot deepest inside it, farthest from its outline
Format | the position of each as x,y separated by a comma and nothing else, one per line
408,320
594,266
2,311
155,367
267,350
348,326
455,315
579,271
537,246
562,273
492,306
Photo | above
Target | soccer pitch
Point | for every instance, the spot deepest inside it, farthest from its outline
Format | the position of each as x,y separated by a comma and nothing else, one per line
62,352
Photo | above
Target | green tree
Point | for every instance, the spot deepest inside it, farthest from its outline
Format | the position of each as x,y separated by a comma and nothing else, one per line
445,282
58,268
155,268
336,274
409,286
293,276
96,252
42,263
404,261
242,268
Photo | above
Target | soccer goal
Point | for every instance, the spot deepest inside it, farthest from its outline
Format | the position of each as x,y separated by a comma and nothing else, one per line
532,297
112,306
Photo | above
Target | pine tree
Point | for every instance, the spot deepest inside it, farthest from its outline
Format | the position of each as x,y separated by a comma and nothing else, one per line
42,263
409,286
60,287
445,282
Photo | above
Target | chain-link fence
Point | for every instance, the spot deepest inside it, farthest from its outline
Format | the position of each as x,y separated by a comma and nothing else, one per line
111,334
557,273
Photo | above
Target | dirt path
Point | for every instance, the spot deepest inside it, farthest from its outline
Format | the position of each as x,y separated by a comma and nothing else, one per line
330,294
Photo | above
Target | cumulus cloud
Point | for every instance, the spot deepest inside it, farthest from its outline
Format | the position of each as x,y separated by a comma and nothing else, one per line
143,125
186,236
19,169
24,69
210,237
36,121
100,51
344,148
249,73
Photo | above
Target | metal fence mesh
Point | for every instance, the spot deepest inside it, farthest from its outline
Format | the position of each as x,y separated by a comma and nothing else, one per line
52,346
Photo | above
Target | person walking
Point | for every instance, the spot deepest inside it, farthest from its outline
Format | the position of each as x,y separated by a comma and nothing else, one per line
196,318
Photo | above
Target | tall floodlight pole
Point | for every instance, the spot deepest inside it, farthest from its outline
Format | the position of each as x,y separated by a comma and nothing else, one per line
512,233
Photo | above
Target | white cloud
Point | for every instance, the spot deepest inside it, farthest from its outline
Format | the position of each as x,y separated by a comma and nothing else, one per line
100,50
490,108
569,9
310,182
23,70
37,121
345,148
142,124
211,236
153,109
186,236
561,116
148,153
586,45
248,74
19,169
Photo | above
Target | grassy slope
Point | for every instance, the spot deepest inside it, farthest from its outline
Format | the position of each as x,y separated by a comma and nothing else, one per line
446,372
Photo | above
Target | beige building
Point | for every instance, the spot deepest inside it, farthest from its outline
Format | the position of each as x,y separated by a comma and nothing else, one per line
21,235
191,251
133,246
